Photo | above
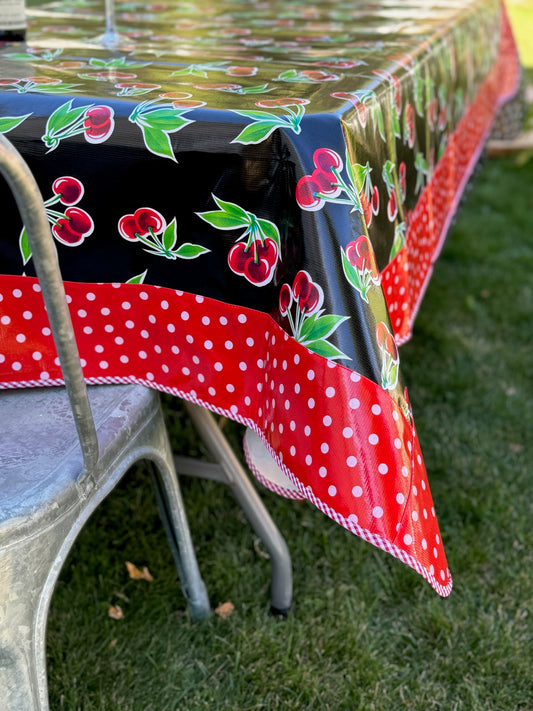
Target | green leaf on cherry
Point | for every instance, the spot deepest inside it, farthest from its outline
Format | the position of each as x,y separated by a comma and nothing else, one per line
169,236
157,142
190,251
54,88
321,327
352,275
326,349
257,132
24,245
139,279
240,216
63,116
8,123
269,229
168,119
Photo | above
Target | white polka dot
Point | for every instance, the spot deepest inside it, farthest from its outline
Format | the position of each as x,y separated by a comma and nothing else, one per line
242,366
330,392
37,287
310,403
206,320
184,315
16,365
126,305
143,295
212,391
124,359
398,443
185,370
407,539
424,544
377,512
105,311
189,338
223,320
250,342
324,447
354,403
310,374
218,366
17,293
46,331
357,492
400,498
241,318
296,359
260,364
383,468
164,305
230,388
347,432
373,439
5,320
287,404
322,472
414,516
103,364
351,461
309,460
108,328
20,338
130,324
119,340
376,409
90,296
405,471
44,375
145,334
247,401
27,315
208,345
297,388
293,450
228,345
307,431
332,490
88,330
36,355
435,553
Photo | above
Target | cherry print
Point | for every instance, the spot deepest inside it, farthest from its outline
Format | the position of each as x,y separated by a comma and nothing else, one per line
79,220
68,189
237,257
274,103
375,200
327,182
306,190
367,208
128,228
392,206
285,299
325,159
361,256
409,125
98,123
402,176
318,75
241,71
63,231
259,272
148,219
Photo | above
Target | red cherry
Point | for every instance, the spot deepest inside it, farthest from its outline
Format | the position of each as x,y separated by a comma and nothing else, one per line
268,250
367,208
301,285
392,207
63,232
381,333
79,220
258,273
375,200
312,300
97,115
409,125
98,134
147,219
326,182
68,189
285,299
403,184
325,159
306,190
390,346
361,114
128,228
237,257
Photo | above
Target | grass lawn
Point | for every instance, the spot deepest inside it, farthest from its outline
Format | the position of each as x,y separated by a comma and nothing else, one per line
365,633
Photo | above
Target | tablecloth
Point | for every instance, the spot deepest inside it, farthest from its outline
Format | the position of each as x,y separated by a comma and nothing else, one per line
247,200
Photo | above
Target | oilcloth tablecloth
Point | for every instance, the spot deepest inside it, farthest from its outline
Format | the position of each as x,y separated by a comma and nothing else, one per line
247,199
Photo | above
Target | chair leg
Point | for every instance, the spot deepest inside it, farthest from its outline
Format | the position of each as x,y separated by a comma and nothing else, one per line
172,512
253,507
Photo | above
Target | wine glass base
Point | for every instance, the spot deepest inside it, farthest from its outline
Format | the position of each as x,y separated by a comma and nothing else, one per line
112,40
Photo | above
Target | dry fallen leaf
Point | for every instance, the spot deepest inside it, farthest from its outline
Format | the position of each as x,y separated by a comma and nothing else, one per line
515,447
115,612
136,574
224,610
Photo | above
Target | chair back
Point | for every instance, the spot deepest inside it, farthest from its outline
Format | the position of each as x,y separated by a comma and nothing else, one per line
32,211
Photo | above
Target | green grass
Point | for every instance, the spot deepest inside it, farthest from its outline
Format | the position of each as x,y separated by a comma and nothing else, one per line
365,631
